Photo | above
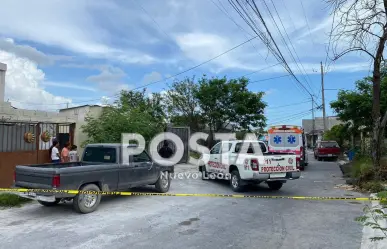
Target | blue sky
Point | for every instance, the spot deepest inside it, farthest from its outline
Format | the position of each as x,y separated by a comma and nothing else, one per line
78,51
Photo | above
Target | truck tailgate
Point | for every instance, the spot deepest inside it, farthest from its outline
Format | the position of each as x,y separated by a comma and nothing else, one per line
30,177
278,164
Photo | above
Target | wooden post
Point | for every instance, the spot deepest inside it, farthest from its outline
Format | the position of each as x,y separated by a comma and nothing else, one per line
71,133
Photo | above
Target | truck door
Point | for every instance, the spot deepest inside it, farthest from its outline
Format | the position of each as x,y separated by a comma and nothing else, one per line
214,162
145,169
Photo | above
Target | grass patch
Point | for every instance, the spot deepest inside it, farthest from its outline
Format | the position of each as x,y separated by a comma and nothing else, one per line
12,200
194,154
383,195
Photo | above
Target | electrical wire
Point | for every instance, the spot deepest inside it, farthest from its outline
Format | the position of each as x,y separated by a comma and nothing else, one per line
159,81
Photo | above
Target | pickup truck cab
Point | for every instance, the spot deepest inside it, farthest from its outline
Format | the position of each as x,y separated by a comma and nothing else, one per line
101,169
270,167
327,149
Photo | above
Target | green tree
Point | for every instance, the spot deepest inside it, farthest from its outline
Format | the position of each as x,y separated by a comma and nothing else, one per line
339,133
225,102
133,112
183,106
356,105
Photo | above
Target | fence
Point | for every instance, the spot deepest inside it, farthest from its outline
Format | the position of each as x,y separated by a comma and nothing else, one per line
27,143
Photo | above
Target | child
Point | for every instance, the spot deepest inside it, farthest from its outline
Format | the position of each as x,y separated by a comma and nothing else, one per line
73,154
54,152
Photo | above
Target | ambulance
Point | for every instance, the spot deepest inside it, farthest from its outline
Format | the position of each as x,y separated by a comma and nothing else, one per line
290,139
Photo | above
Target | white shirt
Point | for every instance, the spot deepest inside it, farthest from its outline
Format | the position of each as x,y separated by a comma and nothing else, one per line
73,156
54,153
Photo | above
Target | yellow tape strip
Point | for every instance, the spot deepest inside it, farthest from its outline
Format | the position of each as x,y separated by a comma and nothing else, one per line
186,195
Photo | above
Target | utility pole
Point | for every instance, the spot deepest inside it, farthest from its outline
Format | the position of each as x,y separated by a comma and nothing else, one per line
323,98
67,105
313,128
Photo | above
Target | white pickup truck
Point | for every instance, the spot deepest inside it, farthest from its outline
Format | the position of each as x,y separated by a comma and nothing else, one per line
226,158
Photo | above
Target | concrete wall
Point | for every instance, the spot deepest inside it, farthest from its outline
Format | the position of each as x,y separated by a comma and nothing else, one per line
8,113
81,113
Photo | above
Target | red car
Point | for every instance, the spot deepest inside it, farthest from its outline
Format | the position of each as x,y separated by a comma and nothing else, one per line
326,149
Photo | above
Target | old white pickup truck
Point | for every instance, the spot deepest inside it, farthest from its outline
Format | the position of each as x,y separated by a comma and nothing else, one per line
227,159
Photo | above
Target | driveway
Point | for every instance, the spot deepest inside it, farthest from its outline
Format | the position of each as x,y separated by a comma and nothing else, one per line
198,222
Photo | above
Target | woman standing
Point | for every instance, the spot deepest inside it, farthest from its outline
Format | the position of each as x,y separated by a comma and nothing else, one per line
65,153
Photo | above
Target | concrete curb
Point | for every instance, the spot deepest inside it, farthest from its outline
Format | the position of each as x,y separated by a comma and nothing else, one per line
369,232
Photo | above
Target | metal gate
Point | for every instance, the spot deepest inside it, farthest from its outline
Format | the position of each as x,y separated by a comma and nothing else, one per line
27,143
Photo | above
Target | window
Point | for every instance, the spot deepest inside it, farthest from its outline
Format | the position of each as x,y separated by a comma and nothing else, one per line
100,155
329,145
216,149
250,150
226,147
140,158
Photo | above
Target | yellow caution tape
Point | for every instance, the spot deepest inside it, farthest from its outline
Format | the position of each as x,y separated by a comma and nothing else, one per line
197,195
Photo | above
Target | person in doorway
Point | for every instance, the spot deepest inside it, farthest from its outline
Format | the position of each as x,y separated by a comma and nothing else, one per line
54,152
65,153
165,151
73,154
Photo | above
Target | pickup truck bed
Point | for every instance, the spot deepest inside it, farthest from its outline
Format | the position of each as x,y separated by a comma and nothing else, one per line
106,172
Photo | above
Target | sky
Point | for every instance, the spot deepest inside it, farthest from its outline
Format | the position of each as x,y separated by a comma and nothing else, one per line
77,52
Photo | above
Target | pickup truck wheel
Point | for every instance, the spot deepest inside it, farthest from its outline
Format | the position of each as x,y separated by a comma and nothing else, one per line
87,203
319,158
275,185
50,204
163,183
236,181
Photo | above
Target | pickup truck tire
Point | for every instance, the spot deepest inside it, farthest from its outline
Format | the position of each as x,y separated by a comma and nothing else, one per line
236,181
49,204
275,185
85,205
163,183
319,158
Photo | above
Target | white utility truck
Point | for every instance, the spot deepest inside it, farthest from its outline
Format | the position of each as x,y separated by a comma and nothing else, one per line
240,160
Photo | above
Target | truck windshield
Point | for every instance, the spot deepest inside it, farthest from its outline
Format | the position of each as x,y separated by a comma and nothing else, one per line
250,150
100,155
329,145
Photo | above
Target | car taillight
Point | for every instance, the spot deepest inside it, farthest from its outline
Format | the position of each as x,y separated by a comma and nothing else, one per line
56,181
297,163
254,164
302,151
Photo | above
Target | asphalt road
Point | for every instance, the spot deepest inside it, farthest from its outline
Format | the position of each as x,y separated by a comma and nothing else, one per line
197,222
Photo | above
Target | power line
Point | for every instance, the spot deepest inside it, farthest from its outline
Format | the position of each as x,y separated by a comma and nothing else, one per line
281,106
263,36
291,44
296,116
151,17
163,80
225,12
271,78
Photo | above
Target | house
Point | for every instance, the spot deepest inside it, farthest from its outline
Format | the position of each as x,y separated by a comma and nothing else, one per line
80,113
314,135
26,135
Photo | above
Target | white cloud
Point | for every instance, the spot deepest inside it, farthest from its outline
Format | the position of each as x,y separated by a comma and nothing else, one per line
152,77
68,85
23,85
29,52
110,79
68,25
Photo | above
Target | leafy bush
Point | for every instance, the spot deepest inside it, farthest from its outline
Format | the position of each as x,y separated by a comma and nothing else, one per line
362,168
11,200
372,186
383,195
